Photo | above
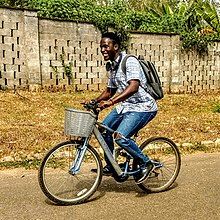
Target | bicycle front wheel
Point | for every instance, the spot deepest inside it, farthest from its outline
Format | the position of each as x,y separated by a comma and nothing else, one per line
59,184
164,153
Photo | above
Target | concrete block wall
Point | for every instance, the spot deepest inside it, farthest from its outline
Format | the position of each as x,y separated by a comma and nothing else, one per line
19,48
200,72
75,45
39,52
163,51
11,48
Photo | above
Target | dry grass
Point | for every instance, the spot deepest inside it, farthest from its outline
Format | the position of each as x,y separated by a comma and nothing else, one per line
33,122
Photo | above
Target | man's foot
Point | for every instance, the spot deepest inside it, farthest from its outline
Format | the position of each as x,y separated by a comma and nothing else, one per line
106,171
145,172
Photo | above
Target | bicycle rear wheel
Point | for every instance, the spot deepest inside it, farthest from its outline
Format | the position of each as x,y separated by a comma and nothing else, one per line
165,155
63,187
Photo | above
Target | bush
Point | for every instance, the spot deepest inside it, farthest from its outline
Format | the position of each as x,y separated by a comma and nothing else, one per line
190,20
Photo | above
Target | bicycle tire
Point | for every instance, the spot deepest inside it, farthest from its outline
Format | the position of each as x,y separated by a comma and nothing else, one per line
165,152
62,187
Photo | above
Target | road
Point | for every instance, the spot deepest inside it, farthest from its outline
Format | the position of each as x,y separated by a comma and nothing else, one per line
196,195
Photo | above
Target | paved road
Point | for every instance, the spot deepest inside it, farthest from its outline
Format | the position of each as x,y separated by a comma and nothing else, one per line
195,196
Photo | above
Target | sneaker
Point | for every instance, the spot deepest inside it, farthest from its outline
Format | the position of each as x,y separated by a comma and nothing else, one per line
145,172
106,171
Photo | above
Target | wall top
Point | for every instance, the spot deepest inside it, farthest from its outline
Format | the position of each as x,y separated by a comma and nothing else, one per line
153,33
21,9
65,20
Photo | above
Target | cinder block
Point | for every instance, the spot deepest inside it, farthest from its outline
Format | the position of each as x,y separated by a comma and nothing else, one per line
93,87
86,81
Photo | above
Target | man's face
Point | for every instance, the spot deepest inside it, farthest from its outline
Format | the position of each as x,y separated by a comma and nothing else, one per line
108,49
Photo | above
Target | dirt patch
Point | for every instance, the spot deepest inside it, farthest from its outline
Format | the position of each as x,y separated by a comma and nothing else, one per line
33,122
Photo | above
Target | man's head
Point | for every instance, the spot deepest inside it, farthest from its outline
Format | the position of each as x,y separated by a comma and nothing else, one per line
110,46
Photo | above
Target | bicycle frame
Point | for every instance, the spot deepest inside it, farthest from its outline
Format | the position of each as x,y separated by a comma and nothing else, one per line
81,151
105,148
75,168
109,154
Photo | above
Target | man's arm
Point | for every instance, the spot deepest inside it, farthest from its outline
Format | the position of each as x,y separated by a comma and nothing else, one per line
129,91
106,94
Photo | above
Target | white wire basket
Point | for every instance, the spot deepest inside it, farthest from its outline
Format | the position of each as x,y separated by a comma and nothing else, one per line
78,123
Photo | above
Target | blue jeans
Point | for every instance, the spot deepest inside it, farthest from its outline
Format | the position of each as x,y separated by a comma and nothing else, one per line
125,126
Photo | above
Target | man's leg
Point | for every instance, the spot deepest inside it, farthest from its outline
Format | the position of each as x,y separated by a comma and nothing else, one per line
131,123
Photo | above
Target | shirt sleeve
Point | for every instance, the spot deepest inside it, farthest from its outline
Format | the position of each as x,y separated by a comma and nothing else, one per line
133,69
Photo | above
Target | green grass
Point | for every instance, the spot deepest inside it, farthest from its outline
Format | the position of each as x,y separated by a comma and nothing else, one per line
27,164
216,108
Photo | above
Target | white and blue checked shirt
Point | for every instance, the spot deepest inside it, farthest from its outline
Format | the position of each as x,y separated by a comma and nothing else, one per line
138,102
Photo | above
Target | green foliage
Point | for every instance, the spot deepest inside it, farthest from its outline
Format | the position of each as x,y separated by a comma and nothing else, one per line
27,164
196,21
67,67
216,108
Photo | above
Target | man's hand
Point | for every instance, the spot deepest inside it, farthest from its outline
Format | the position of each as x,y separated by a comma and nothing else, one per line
105,104
92,102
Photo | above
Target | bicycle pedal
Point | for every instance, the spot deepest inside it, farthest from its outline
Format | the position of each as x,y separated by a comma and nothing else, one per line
153,174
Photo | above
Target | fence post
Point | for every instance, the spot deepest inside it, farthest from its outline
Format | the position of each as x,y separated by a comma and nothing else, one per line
31,42
175,78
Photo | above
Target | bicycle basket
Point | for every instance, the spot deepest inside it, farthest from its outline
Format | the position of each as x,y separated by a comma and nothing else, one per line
78,123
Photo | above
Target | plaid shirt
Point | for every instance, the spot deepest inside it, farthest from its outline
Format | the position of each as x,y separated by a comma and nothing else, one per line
138,102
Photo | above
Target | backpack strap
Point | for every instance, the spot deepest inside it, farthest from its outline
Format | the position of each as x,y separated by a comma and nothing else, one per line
153,84
123,64
123,67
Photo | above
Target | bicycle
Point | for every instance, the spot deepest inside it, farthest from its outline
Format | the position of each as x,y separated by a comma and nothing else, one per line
66,176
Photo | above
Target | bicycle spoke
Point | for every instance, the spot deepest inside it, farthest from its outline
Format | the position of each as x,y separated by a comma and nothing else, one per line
164,152
61,186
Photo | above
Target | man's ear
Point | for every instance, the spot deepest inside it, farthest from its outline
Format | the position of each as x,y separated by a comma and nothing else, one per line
116,47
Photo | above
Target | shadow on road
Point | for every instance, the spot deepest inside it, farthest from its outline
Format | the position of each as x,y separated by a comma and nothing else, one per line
108,184
98,194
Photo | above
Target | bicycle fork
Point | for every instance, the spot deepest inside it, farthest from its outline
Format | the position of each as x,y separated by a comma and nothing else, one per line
80,152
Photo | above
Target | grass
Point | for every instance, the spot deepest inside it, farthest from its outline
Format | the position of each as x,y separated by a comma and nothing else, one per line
31,123
216,108
28,164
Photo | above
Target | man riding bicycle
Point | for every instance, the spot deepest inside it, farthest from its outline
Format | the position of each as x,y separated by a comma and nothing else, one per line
135,107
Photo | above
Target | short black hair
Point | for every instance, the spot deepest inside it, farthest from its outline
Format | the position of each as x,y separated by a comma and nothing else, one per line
113,36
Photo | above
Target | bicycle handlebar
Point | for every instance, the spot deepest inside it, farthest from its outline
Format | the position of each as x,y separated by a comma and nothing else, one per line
92,106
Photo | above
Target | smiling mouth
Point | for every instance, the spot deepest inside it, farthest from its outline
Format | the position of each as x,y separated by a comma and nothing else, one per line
106,56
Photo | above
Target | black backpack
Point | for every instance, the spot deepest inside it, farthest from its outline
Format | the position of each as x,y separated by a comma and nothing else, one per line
154,87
